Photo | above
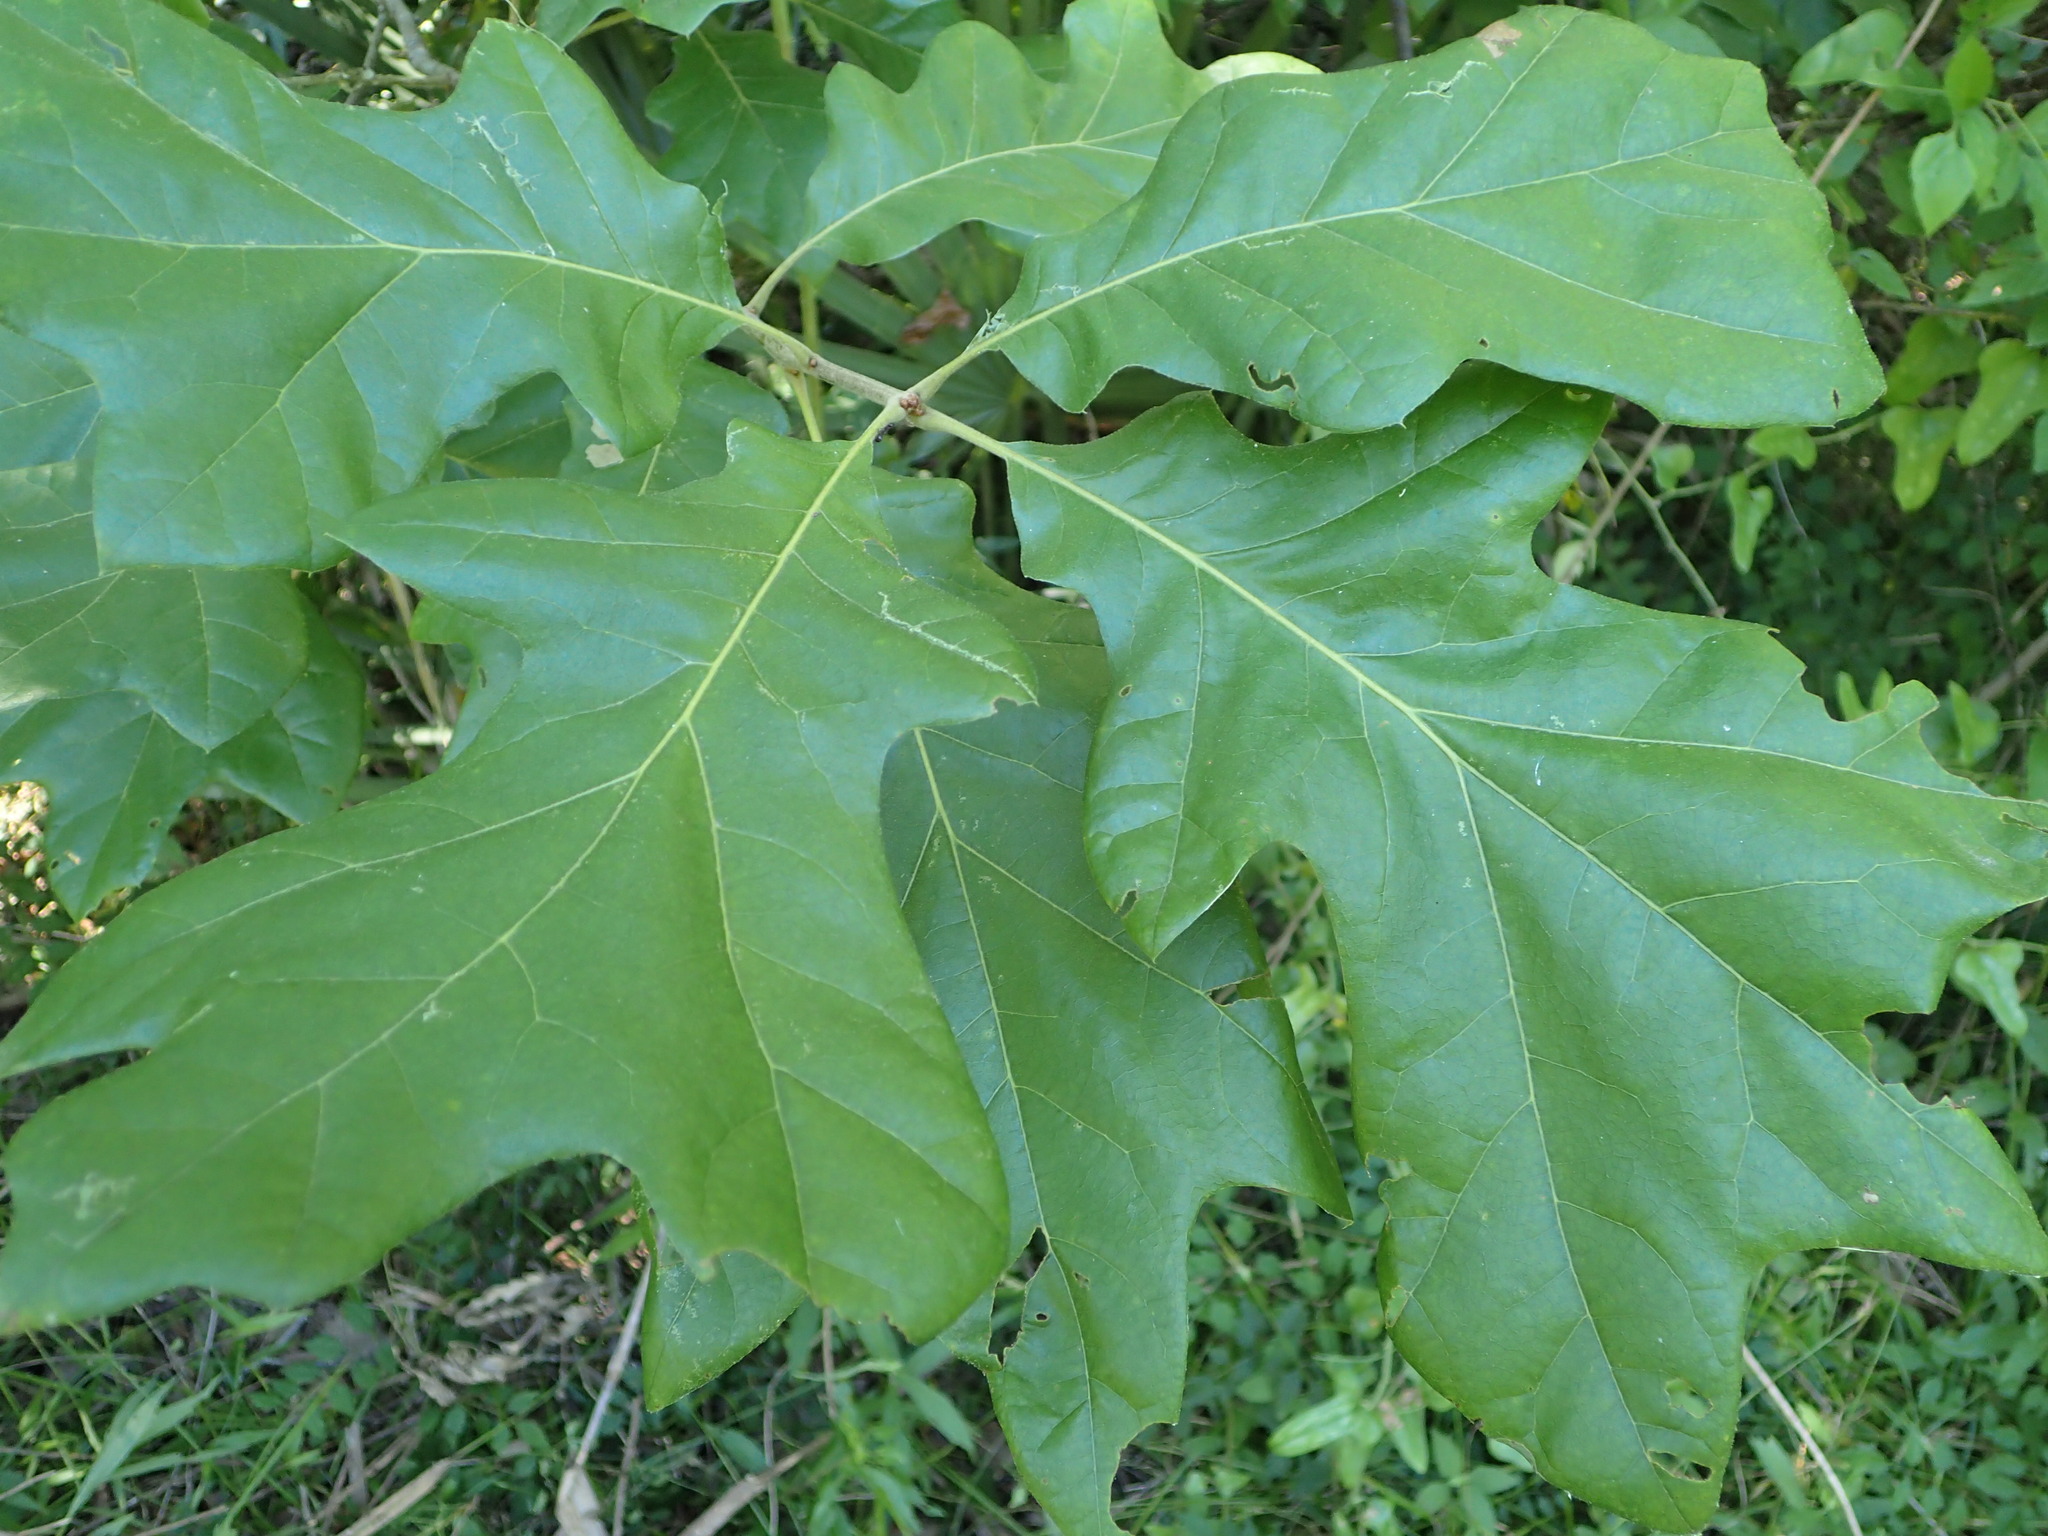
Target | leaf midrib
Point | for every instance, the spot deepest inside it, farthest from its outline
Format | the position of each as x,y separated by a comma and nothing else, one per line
1416,718
631,781
1105,144
1331,222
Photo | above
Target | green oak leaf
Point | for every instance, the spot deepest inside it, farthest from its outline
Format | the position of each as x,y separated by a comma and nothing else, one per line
208,650
289,305
1613,896
115,687
883,36
47,404
980,136
1120,1093
525,434
116,775
694,446
645,912
2012,385
302,753
749,128
1920,439
701,1320
886,39
1337,244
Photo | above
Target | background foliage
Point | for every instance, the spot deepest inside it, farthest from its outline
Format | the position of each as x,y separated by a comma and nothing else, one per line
1905,543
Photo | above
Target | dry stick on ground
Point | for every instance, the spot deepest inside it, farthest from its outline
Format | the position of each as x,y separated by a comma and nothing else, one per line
403,1500
575,1501
626,1469
747,1489
1841,139
1827,1468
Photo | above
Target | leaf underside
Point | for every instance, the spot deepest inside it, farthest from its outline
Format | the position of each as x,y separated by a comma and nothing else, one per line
1613,897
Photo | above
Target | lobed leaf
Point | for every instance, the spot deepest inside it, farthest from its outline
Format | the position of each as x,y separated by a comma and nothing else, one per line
1613,896
1120,1093
115,688
645,912
749,128
289,305
47,404
1336,245
981,136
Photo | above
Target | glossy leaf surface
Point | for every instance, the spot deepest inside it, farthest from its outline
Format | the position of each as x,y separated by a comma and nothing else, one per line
645,912
1121,1095
1337,244
289,305
1613,895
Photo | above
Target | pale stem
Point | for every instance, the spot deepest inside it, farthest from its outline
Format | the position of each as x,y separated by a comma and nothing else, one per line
1849,128
1805,1435
416,53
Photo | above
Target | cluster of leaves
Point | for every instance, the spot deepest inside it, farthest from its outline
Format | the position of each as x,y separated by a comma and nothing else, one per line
879,1033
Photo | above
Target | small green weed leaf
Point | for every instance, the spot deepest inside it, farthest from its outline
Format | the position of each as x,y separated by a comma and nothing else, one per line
1860,52
1943,179
1987,971
1671,463
644,912
139,1420
1287,212
1994,159
1936,348
2012,385
1563,839
1309,1430
1969,76
749,128
940,1411
980,136
1791,443
47,404
1748,506
702,1319
1973,726
1920,441
331,291
1179,1095
1876,269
